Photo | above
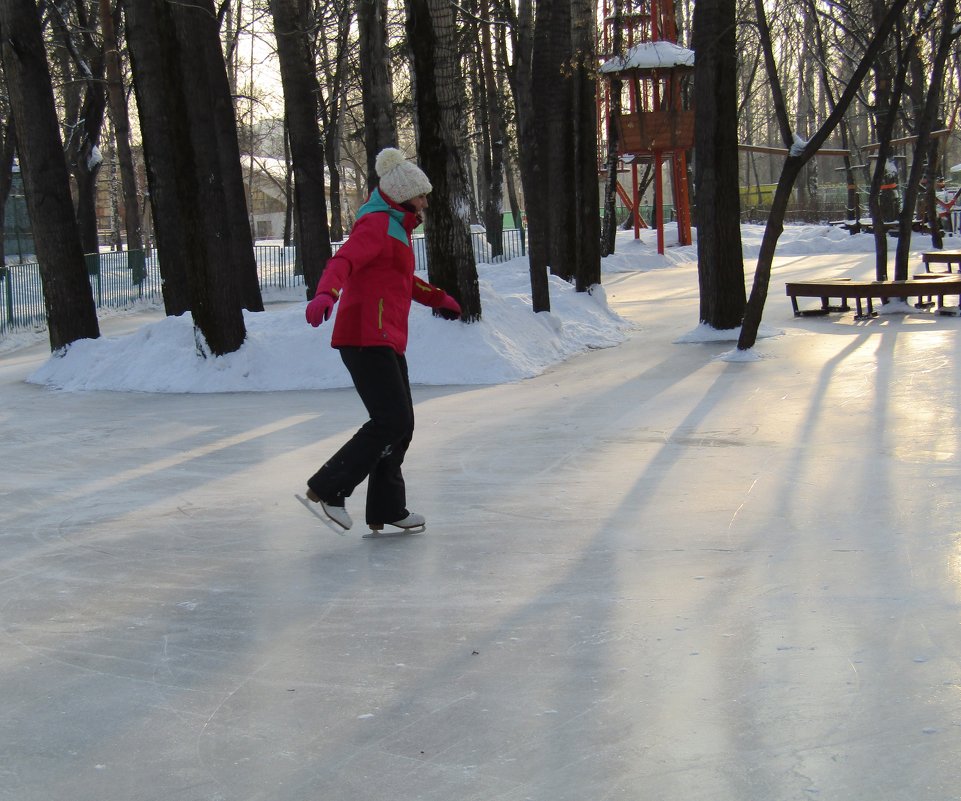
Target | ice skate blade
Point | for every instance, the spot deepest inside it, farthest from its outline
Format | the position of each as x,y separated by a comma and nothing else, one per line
384,533
318,513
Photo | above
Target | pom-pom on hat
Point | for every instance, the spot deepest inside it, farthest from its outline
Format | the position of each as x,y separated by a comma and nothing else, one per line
400,179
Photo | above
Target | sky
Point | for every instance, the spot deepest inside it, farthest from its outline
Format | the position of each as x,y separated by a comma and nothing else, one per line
510,343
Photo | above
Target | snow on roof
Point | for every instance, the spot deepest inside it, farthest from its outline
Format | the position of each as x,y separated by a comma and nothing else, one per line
649,55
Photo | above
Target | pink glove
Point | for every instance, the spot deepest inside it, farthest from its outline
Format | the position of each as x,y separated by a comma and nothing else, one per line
319,309
449,308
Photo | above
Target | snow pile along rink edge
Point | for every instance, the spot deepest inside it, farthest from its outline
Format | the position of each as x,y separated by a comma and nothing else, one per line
282,352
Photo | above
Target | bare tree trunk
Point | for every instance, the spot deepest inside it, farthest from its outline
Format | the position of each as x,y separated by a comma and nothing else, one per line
922,156
301,93
288,190
190,95
85,124
932,174
512,199
438,94
114,193
117,102
586,194
380,125
531,160
888,88
880,198
162,112
720,259
609,223
492,114
8,150
805,120
332,112
221,287
71,313
231,28
796,159
480,140
853,204
200,33
336,215
553,94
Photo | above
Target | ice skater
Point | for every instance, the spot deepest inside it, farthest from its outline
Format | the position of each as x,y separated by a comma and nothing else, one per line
372,275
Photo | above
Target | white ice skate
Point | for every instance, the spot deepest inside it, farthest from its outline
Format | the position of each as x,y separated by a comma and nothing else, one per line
336,515
412,523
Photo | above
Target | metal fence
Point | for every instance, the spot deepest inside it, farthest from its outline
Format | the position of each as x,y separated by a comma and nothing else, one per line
120,279
22,298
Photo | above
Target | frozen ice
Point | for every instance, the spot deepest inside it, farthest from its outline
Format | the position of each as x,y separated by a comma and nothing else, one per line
647,573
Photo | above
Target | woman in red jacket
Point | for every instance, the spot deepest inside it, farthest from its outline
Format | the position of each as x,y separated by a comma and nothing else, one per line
372,275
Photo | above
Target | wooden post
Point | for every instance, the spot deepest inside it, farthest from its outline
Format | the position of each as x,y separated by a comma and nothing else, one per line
659,202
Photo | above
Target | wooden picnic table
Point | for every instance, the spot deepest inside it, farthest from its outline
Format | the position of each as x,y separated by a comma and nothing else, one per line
936,285
948,257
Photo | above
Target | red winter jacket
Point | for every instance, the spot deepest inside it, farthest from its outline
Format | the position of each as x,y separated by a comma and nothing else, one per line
373,276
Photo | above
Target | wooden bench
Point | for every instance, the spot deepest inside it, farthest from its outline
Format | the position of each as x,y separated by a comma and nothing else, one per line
949,257
892,227
844,289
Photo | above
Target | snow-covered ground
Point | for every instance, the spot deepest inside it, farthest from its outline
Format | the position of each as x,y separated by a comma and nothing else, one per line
510,343
649,573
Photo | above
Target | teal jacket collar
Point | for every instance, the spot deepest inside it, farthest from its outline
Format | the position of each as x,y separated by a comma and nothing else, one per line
401,223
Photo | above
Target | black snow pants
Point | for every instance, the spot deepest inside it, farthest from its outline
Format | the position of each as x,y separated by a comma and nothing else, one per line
377,450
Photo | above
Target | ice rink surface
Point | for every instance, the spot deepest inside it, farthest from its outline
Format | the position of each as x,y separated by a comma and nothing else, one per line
647,575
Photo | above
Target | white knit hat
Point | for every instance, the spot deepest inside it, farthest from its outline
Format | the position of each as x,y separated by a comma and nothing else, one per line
400,179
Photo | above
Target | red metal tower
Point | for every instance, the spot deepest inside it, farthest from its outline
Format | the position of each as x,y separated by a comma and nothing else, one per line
658,123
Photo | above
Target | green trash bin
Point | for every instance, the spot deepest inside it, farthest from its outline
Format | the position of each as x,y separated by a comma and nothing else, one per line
137,263
93,263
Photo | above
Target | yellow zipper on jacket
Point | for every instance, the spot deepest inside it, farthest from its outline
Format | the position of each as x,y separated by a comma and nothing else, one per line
380,314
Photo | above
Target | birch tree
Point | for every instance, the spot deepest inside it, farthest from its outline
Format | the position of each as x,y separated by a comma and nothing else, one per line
439,121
